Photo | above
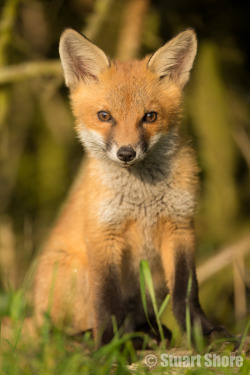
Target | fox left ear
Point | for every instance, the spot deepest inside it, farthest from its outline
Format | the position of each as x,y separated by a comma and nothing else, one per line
175,59
81,59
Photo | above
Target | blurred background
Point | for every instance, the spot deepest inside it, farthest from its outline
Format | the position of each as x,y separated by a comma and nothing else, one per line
40,155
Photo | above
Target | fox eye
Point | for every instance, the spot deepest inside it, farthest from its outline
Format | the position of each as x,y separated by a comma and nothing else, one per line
104,116
150,117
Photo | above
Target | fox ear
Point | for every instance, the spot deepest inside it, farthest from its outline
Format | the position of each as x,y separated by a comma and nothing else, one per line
81,59
175,59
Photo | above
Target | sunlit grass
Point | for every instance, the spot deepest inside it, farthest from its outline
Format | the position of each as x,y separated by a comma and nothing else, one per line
53,352
188,317
244,336
146,280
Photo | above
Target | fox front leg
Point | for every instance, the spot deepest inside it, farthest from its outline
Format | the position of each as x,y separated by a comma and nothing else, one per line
105,284
178,258
107,302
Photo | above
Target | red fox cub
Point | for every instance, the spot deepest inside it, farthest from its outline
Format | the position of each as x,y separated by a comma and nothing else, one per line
136,199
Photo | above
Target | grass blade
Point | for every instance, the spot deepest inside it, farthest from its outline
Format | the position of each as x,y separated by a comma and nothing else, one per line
244,336
198,337
147,279
188,318
143,291
164,305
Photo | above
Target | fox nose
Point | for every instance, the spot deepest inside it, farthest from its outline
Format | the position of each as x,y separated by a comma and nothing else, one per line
126,153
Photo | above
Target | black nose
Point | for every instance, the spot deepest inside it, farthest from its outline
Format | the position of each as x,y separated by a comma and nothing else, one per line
126,153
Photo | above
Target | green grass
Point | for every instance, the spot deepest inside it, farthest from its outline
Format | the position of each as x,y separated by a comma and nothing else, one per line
146,280
188,317
53,352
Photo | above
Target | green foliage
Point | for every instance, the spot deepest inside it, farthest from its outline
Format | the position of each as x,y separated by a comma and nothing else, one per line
213,127
244,336
188,317
53,352
146,280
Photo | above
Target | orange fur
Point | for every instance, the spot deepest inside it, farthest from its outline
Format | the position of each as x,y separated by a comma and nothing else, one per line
130,206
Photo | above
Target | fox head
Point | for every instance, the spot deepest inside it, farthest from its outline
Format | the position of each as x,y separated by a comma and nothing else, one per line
126,111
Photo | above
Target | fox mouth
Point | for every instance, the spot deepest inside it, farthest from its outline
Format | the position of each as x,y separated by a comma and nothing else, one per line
125,164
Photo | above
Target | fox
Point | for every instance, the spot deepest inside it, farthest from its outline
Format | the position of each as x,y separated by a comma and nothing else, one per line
136,199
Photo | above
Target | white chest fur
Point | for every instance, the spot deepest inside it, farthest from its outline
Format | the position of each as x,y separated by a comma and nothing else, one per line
145,193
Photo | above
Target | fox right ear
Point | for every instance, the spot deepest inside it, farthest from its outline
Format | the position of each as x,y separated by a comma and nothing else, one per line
174,60
81,59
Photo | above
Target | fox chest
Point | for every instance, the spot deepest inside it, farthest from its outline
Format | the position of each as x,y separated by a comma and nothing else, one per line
136,209
136,206
146,204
